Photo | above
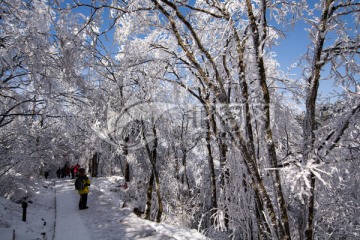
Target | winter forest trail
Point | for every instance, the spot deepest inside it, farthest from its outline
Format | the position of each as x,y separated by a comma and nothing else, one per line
104,219
52,214
68,222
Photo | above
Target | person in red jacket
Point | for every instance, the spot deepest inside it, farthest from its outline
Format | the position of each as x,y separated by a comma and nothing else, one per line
76,170
83,192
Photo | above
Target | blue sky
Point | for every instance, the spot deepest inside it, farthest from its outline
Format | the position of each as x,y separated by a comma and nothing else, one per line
292,48
296,42
289,50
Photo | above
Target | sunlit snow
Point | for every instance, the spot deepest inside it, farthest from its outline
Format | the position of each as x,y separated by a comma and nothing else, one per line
52,213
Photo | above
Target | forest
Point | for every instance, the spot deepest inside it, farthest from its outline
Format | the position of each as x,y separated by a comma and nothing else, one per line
187,101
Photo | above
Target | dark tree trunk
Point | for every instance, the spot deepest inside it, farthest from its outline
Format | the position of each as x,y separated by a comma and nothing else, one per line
95,164
211,163
127,166
149,197
224,173
309,120
151,149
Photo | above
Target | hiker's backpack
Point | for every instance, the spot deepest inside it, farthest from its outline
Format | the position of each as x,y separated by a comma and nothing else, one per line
79,184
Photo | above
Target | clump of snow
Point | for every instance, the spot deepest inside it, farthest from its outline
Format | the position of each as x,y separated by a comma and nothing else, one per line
18,195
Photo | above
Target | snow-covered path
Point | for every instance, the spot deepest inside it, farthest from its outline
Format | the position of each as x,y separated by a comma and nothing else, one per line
53,214
105,219
68,224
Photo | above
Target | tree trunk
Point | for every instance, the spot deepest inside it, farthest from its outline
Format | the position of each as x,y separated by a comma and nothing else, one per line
152,154
149,197
264,229
211,162
159,198
177,167
309,120
95,164
224,177
184,178
258,43
127,166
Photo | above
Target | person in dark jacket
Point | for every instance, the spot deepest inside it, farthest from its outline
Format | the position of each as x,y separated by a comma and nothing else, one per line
72,172
58,172
83,192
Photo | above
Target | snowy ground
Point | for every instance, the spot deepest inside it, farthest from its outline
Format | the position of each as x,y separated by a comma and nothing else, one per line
53,214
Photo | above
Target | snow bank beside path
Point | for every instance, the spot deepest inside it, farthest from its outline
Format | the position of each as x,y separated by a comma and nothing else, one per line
114,222
39,213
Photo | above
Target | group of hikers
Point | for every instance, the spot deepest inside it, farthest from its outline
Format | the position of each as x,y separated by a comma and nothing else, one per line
66,171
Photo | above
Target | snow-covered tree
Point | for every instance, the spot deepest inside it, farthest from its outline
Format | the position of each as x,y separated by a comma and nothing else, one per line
187,99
